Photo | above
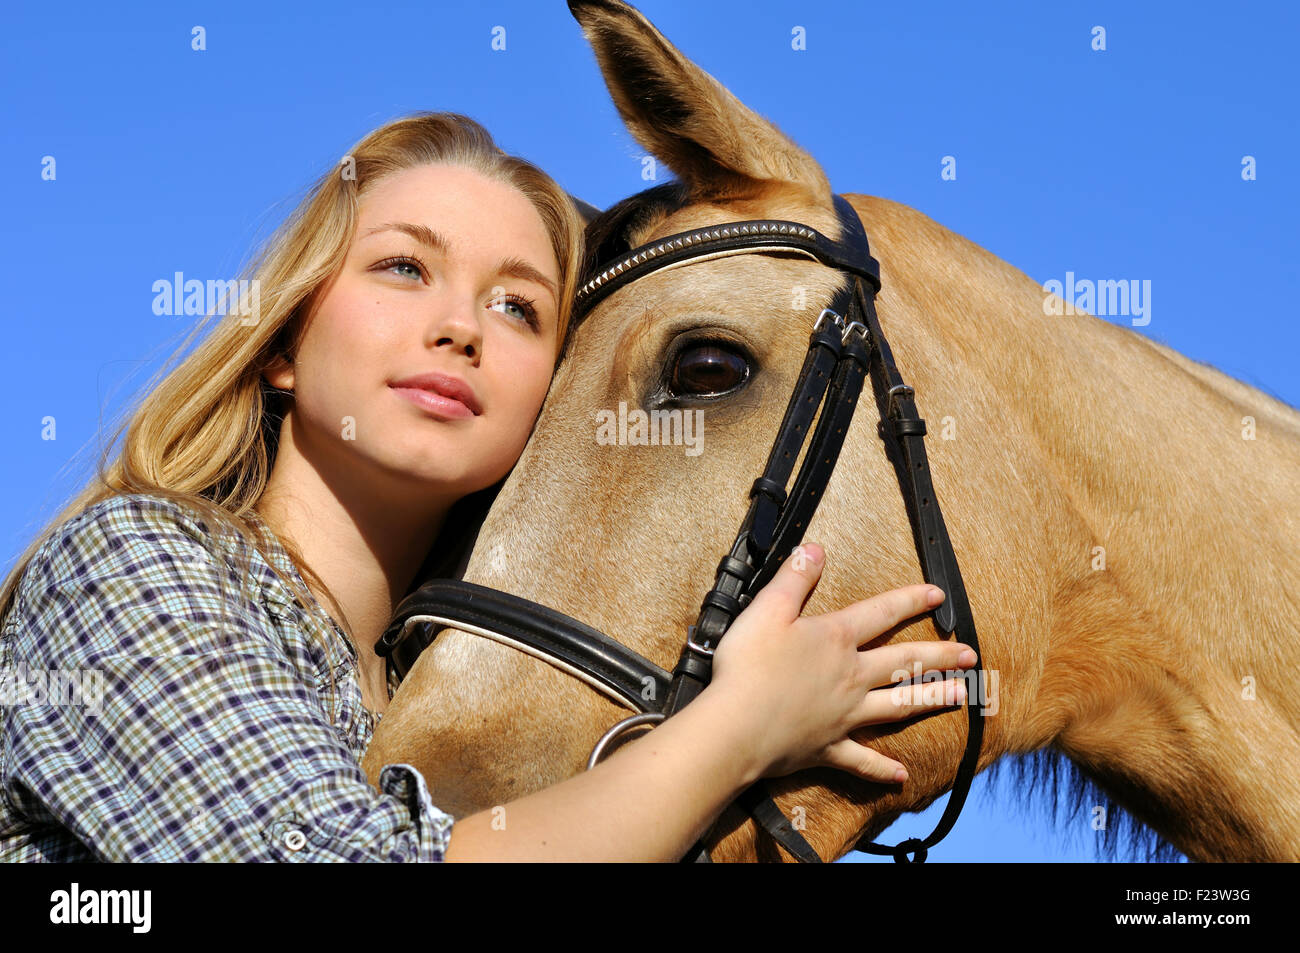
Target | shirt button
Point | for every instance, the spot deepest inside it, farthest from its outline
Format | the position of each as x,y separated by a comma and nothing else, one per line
294,840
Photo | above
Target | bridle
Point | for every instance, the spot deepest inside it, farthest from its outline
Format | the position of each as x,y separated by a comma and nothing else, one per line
846,345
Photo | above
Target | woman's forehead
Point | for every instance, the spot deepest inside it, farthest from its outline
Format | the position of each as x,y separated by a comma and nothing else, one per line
429,202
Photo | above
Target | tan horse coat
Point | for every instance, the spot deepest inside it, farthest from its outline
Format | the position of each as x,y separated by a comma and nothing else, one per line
1125,518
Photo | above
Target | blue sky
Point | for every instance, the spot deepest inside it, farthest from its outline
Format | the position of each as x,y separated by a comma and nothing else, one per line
1125,163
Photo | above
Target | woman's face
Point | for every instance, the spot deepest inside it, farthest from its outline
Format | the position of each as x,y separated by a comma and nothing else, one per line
448,273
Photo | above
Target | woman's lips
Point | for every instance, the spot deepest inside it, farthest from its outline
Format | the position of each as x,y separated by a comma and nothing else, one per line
436,405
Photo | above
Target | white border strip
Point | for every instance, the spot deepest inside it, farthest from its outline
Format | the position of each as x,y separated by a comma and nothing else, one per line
728,252
527,650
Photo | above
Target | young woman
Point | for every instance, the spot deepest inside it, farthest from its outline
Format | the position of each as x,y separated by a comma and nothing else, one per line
322,452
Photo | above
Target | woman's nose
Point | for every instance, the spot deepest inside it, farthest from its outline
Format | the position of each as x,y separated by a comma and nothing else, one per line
457,325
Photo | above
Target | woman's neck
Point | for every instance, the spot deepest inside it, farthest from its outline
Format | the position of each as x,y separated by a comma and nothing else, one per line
355,529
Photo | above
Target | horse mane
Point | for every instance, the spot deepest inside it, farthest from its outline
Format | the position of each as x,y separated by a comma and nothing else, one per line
1063,795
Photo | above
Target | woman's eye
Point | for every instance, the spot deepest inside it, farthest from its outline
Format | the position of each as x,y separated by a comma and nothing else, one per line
707,370
518,307
510,307
404,266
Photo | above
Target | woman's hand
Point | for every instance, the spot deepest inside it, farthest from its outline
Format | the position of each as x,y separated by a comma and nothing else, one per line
785,694
804,684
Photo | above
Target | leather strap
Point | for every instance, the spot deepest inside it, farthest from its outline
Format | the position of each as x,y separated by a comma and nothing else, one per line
819,461
717,241
760,806
904,437
724,602
541,631
805,399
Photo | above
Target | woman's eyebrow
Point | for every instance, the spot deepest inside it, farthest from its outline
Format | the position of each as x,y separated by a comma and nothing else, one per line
518,268
421,233
513,267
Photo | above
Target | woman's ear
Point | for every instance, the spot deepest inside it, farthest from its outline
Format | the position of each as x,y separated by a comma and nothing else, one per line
279,373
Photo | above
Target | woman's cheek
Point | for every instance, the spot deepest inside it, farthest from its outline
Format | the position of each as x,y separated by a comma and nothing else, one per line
518,418
330,397
321,405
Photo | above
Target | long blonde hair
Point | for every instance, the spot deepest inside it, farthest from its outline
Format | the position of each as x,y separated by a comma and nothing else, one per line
205,435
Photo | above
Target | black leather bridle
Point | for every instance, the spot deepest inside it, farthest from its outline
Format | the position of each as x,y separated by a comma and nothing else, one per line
846,345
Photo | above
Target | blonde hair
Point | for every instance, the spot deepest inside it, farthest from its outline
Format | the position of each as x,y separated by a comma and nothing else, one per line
205,435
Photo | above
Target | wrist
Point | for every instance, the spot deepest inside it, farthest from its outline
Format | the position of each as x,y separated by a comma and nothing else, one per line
730,720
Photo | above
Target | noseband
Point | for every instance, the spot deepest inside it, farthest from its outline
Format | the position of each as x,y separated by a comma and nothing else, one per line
845,347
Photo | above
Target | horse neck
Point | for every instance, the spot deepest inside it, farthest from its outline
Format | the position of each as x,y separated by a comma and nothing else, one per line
1126,521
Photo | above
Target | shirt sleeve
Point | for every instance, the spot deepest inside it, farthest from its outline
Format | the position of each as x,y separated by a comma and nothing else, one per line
196,735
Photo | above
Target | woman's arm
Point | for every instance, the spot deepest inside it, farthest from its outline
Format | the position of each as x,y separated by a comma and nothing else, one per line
210,740
648,802
786,692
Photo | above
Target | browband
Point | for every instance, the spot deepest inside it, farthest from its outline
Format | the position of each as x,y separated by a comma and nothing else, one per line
716,241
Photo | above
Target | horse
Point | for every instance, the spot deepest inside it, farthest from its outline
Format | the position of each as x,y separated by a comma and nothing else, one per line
1114,506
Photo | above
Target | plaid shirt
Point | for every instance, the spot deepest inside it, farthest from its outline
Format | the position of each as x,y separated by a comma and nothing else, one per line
219,735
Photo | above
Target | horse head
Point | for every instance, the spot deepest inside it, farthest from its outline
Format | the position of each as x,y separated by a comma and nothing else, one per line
624,534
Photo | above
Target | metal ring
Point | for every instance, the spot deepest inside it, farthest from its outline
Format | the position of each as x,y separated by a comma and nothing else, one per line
634,721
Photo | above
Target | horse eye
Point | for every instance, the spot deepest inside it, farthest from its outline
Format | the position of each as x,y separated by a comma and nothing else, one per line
707,369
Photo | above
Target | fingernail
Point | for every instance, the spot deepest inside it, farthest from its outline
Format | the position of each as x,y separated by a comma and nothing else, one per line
900,775
935,596
966,658
959,694
809,555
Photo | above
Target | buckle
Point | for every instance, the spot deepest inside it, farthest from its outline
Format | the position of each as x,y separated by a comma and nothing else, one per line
821,319
903,390
853,326
691,643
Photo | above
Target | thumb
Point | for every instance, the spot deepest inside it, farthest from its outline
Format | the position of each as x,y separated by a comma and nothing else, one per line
788,589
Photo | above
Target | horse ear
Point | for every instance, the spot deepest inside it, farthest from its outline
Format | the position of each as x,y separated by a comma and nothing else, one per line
588,211
684,116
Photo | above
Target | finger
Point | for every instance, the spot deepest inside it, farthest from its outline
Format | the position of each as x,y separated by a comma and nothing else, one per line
905,701
848,755
788,589
888,664
869,618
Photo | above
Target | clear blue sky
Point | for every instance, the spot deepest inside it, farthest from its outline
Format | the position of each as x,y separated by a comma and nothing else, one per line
1117,164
